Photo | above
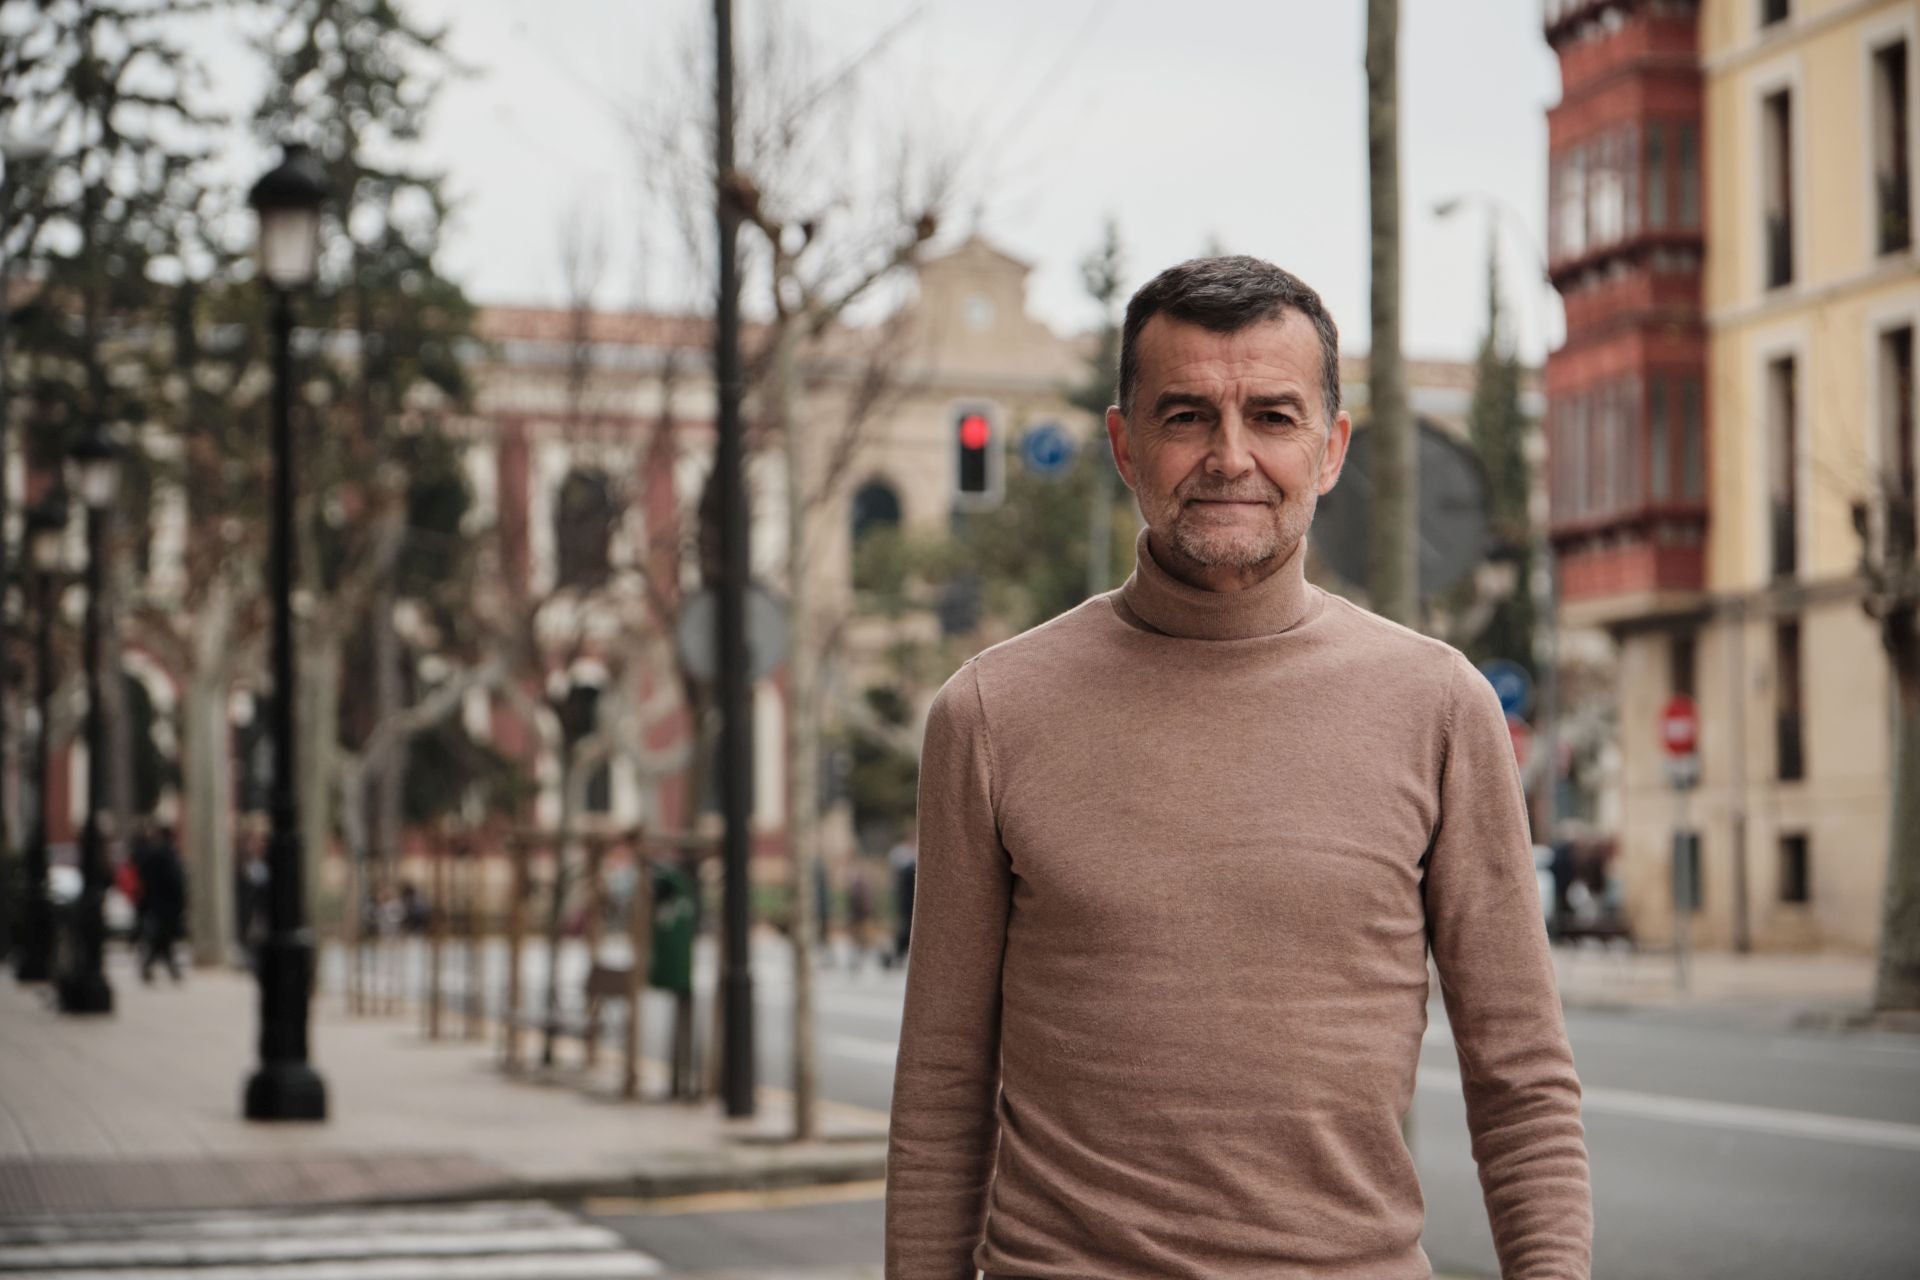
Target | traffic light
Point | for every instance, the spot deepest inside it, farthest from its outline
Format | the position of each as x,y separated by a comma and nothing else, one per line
979,456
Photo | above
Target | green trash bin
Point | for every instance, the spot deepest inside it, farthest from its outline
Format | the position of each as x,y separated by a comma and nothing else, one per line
675,915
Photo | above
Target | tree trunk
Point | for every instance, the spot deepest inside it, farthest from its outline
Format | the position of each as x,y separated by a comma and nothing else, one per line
206,777
1393,573
1897,981
802,740
317,734
389,775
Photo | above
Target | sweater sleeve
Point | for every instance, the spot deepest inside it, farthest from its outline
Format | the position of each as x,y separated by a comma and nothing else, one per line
944,1133
1489,941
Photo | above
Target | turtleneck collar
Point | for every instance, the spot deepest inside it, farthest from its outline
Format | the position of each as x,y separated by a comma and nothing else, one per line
1276,603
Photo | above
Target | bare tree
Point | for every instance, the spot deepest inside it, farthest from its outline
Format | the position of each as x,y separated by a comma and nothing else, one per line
1892,574
844,206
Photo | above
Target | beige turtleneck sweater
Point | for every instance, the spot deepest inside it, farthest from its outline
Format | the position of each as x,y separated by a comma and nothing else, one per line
1183,855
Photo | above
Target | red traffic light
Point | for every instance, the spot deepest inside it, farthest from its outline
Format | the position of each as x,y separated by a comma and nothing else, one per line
974,431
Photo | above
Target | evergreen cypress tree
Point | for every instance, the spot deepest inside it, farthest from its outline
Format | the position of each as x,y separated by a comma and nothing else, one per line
1499,428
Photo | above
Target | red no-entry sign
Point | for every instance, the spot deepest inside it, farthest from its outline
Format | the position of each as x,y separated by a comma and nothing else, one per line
1680,726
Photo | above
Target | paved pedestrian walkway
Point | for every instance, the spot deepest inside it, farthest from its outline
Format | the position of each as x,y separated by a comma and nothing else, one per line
1784,988
141,1111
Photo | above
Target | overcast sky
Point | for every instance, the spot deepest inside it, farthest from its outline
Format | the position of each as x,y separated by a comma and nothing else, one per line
1192,122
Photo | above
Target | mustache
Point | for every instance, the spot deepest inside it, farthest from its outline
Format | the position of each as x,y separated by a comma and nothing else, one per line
1267,494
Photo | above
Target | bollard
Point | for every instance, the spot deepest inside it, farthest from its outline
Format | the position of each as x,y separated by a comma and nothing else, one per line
518,852
436,928
593,934
470,936
640,938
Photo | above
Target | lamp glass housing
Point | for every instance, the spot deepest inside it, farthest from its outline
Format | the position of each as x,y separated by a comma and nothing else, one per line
45,545
95,477
289,246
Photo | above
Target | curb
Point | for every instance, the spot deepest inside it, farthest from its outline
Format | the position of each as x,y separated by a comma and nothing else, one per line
93,1187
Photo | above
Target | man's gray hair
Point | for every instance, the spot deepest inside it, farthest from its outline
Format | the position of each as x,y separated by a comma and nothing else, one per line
1227,295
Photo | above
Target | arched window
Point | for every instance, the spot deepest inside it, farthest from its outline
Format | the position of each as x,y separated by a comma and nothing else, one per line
583,523
876,510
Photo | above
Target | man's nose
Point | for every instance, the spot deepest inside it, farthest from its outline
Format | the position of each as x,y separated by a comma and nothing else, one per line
1232,452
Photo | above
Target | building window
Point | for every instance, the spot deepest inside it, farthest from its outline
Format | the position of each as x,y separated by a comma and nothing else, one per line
1659,443
1897,448
1656,176
1772,11
1776,178
1796,878
1570,223
1693,458
1790,754
1687,161
1892,150
583,526
876,510
1782,464
1606,193
1682,662
579,718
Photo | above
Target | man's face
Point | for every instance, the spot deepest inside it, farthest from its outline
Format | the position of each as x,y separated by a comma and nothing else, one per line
1227,447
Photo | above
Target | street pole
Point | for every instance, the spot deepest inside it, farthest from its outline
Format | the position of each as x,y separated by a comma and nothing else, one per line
83,989
285,1086
46,529
736,744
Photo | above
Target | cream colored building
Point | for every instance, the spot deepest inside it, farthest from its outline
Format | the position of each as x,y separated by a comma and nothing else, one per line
1811,295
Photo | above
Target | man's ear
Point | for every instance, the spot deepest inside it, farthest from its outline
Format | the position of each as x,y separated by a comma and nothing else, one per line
1339,435
1119,442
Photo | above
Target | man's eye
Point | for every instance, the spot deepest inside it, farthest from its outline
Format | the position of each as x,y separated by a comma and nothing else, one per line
1183,417
1277,419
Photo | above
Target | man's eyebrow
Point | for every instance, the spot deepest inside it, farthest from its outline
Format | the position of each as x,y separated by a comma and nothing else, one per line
1279,399
1180,400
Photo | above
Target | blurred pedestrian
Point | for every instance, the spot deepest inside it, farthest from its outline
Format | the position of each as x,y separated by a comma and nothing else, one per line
250,894
859,915
161,916
904,859
1185,852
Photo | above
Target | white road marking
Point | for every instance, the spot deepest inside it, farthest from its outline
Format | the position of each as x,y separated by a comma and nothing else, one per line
1773,1121
861,1050
479,1241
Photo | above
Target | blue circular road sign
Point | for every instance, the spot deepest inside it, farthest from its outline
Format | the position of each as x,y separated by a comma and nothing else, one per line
1047,449
1511,682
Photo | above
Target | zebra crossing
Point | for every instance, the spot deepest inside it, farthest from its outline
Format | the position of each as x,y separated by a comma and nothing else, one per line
514,1240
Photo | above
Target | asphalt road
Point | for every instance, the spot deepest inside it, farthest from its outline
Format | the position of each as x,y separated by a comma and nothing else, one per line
1720,1148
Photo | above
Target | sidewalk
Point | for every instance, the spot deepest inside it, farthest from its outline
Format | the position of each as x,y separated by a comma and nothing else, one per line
1828,992
141,1111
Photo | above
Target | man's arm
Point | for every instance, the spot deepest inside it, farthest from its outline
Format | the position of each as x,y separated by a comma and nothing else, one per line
1490,947
944,1132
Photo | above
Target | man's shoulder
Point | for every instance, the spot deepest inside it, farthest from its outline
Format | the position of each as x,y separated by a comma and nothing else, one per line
1051,649
1392,661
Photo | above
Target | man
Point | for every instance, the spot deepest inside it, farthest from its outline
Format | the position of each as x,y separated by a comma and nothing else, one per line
163,901
1183,852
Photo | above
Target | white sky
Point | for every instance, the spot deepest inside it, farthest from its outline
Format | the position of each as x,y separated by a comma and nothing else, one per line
1240,122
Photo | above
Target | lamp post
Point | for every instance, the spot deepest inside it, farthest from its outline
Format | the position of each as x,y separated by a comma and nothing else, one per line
285,1086
83,988
46,532
1545,582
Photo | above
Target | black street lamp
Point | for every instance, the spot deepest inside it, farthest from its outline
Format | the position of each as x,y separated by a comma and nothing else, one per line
46,539
285,1086
82,988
